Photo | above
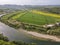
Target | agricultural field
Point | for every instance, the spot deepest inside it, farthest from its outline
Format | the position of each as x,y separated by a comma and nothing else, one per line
34,18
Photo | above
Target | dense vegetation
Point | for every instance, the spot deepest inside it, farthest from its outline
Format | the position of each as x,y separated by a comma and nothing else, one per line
4,40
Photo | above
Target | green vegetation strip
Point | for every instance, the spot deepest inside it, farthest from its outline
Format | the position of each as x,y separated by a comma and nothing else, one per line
18,16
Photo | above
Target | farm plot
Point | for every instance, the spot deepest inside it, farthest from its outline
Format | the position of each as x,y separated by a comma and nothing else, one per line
38,19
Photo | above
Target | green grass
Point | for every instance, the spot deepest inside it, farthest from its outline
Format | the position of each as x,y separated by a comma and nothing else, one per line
37,19
18,16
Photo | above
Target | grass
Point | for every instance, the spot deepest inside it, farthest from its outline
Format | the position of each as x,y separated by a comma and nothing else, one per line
18,16
37,19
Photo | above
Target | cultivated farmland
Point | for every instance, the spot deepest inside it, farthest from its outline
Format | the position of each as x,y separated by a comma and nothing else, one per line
33,18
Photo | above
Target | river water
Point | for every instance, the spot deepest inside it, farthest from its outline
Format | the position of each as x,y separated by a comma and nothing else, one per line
15,35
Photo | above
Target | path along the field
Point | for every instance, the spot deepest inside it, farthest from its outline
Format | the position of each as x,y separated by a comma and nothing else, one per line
47,14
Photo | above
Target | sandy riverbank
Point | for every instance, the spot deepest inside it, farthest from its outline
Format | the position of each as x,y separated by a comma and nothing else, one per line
54,38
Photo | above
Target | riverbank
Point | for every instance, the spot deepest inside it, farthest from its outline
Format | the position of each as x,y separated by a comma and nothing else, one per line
39,35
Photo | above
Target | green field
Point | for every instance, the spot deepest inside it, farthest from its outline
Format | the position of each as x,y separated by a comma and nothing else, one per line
32,18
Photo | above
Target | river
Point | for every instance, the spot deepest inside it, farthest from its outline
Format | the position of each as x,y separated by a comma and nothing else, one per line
13,34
